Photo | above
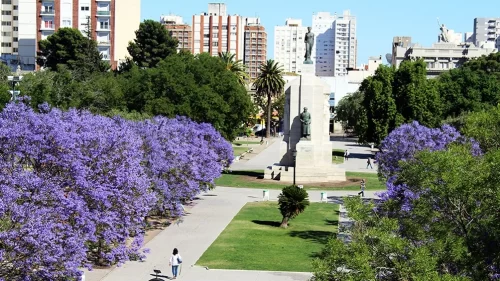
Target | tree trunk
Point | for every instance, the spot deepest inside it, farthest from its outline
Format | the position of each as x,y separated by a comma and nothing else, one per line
284,222
268,121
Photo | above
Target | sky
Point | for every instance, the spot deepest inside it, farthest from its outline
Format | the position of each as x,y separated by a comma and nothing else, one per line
378,21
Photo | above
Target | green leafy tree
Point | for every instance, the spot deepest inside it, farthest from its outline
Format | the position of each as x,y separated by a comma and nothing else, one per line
235,66
5,85
377,251
380,106
352,114
152,44
416,97
68,47
198,87
292,201
269,84
484,127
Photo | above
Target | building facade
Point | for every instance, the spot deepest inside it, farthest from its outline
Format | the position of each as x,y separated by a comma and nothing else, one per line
180,31
336,45
216,31
487,30
25,22
440,57
255,53
289,48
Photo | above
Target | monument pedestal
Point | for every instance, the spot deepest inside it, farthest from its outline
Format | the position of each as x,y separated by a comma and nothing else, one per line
314,155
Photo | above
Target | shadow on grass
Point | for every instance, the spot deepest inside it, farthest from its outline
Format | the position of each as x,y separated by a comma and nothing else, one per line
253,174
209,195
268,223
320,237
332,222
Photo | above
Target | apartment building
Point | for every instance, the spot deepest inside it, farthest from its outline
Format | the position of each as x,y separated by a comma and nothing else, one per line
487,30
335,48
289,48
180,31
255,52
26,22
216,31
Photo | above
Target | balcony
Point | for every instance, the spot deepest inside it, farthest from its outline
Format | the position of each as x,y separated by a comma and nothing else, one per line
48,13
47,27
103,13
104,43
47,1
103,28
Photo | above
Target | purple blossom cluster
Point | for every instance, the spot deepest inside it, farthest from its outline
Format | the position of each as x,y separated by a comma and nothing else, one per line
75,188
402,144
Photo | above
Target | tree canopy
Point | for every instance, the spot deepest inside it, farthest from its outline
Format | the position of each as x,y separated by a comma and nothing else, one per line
68,47
152,44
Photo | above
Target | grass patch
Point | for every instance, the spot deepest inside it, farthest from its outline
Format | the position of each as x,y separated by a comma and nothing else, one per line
240,143
254,241
254,179
239,150
337,156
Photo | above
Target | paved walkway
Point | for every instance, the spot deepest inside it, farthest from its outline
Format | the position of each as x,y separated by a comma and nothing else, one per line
269,156
201,226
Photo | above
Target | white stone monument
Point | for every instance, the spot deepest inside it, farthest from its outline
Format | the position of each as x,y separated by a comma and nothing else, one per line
314,155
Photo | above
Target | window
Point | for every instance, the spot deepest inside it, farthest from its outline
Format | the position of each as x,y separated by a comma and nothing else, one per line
15,7
6,33
6,44
104,25
6,1
6,13
48,24
15,18
15,50
66,23
15,28
6,23
15,39
85,8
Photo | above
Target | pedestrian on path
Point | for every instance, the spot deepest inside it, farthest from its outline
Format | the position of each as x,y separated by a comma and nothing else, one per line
369,163
346,155
362,186
175,262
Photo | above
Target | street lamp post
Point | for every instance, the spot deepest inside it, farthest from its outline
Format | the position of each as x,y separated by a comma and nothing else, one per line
294,154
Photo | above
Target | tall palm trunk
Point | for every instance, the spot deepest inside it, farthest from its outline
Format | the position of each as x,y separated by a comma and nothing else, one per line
268,121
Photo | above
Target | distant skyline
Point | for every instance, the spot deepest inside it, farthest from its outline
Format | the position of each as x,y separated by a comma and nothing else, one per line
376,24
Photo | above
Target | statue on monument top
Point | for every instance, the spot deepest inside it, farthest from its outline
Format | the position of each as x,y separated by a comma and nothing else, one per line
305,119
309,41
443,37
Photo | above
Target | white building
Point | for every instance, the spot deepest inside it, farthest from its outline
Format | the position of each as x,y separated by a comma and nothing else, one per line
336,45
439,57
289,48
487,30
216,31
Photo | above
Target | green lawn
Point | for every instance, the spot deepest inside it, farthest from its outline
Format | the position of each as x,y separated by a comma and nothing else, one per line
254,241
240,143
254,179
337,156
239,150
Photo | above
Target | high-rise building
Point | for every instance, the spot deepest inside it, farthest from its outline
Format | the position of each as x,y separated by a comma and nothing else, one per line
335,48
289,48
216,31
255,46
179,30
25,22
112,22
487,31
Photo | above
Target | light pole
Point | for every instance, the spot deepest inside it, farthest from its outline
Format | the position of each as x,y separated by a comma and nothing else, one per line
294,154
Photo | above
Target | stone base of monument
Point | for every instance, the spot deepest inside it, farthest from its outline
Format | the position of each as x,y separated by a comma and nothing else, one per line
314,155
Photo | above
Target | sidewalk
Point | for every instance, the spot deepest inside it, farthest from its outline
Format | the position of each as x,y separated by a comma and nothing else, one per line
206,220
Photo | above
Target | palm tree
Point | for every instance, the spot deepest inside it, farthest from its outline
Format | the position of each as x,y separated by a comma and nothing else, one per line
269,84
235,66
292,201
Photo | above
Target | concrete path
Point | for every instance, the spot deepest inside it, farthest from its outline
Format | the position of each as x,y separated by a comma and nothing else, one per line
357,159
201,226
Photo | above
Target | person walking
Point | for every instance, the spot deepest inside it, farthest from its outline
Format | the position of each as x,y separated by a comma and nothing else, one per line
175,262
369,163
345,155
362,186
